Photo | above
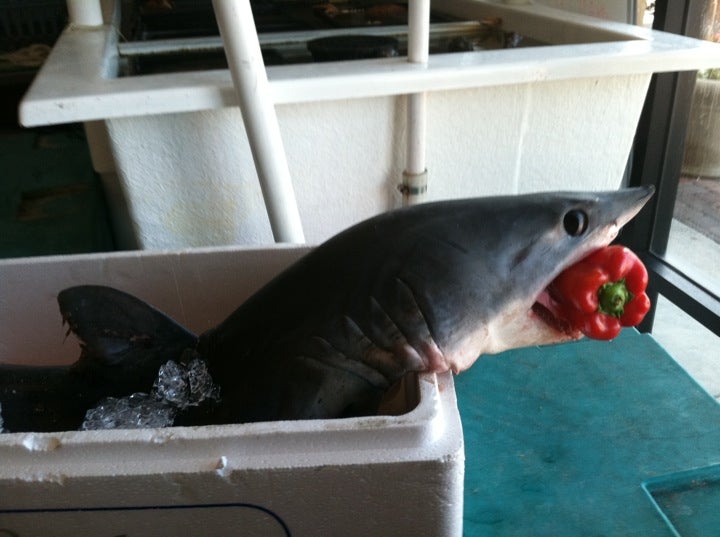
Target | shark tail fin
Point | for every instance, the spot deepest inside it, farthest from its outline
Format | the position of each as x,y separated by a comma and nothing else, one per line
124,340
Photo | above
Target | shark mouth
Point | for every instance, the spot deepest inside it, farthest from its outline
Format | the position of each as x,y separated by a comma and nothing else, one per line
546,309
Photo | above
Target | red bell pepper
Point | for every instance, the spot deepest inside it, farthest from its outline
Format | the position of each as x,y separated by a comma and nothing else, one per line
603,292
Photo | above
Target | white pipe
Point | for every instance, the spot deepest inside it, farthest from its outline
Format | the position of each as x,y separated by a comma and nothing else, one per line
418,31
85,13
237,29
415,175
416,135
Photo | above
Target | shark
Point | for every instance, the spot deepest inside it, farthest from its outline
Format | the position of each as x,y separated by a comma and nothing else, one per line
427,288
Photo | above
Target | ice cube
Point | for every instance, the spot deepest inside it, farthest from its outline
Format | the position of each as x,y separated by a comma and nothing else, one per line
137,411
171,384
202,387
183,385
177,387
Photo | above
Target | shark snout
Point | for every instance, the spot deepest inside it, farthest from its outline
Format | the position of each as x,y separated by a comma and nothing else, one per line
627,203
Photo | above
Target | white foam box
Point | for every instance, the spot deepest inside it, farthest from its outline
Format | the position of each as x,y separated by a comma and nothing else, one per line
377,475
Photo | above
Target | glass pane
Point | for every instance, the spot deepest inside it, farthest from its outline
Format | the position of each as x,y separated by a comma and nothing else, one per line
695,234
694,347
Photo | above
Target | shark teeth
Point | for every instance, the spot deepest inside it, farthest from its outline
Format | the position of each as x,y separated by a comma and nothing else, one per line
546,309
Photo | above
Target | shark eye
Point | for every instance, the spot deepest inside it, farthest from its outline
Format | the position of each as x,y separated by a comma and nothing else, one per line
575,222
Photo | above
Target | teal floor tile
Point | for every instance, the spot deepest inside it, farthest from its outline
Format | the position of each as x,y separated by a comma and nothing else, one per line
561,440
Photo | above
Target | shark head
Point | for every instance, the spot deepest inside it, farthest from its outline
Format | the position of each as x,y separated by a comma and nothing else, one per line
481,274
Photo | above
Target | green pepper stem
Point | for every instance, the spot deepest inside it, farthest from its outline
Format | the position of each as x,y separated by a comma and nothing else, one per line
612,298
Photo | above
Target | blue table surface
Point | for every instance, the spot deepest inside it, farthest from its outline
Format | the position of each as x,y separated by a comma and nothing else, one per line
559,440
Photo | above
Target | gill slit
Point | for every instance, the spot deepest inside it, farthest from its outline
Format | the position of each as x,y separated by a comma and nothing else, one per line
419,353
357,368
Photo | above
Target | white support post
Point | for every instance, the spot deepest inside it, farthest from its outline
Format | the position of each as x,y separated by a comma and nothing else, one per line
85,13
242,48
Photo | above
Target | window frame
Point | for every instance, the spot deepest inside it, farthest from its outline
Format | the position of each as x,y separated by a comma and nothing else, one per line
657,160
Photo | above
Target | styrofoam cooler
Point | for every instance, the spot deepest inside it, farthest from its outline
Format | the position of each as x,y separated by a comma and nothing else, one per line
377,475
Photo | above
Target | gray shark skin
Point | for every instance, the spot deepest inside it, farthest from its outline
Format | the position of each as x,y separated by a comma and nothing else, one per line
425,288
